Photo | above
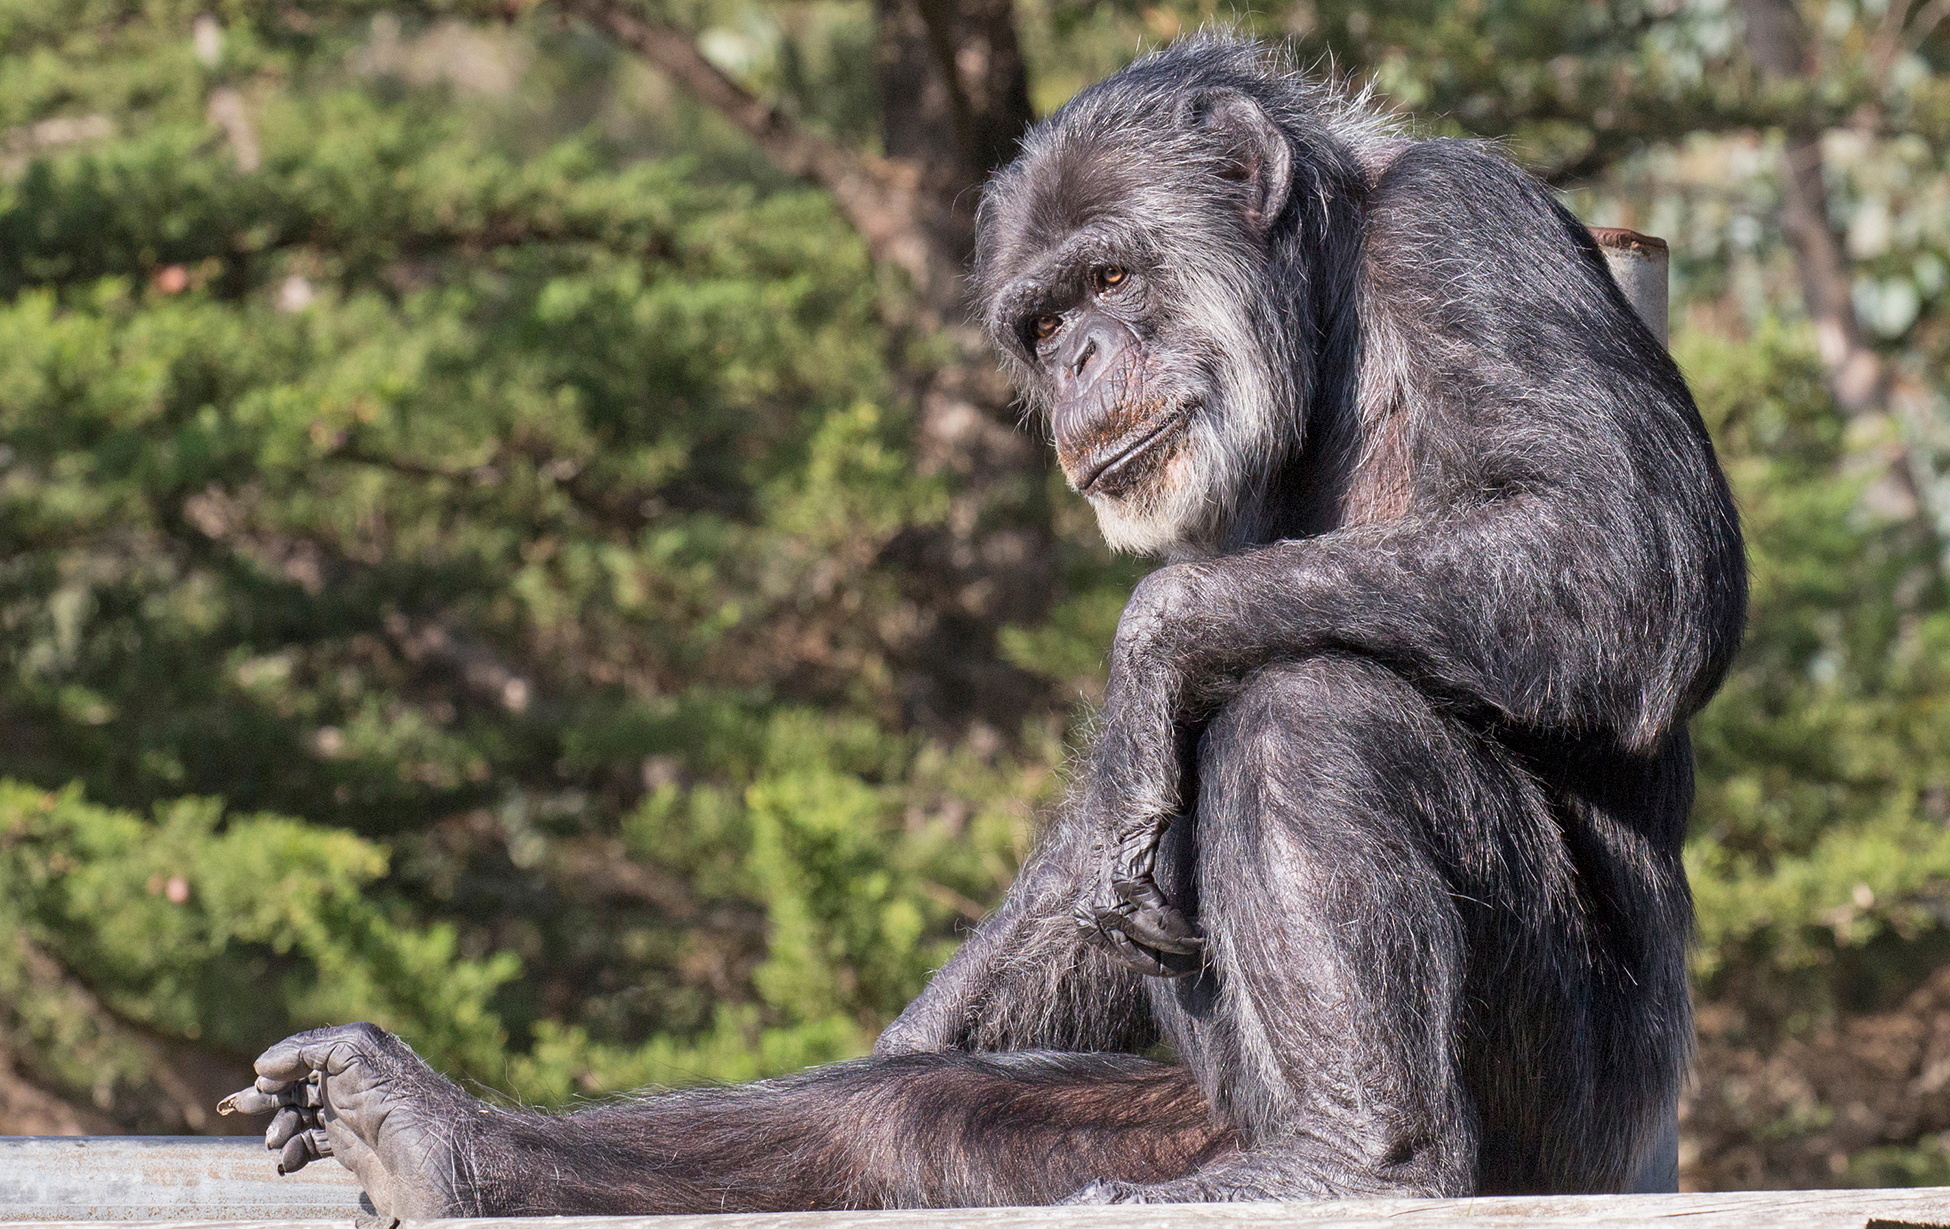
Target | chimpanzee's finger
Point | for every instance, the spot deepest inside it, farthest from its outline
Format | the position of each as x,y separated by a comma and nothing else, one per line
302,1149
294,1156
1135,958
1138,890
1121,949
286,1124
1151,919
249,1101
1163,929
328,1051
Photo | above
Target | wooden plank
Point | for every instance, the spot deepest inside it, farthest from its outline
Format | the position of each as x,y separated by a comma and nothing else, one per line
147,1178
1928,1207
199,1183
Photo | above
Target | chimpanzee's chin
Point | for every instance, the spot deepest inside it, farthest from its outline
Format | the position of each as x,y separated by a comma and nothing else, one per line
1156,521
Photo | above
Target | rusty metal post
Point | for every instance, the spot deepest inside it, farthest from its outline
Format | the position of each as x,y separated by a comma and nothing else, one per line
1639,264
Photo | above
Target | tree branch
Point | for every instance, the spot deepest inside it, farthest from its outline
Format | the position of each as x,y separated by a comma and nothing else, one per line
879,196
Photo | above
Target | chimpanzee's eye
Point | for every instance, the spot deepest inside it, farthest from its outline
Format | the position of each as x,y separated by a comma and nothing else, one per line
1045,326
1111,276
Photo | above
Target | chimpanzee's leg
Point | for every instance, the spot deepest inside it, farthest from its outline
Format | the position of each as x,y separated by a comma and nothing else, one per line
1327,1025
917,1125
910,1130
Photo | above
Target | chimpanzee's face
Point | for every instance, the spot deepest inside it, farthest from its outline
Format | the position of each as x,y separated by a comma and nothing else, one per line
1120,279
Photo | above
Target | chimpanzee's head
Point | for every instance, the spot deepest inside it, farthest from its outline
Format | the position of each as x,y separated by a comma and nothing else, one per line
1141,267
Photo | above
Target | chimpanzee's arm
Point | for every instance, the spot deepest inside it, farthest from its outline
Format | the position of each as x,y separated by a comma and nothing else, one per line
1543,610
1489,613
1563,559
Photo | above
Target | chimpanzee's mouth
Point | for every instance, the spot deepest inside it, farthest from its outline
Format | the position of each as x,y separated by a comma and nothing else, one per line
1119,463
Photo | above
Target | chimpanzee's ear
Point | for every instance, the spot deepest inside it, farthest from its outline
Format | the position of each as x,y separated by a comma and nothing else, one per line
1252,148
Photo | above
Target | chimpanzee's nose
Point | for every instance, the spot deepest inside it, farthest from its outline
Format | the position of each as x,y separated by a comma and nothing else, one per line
1089,350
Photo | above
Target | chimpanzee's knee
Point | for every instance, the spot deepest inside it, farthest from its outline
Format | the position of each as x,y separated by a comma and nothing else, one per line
1322,747
1335,951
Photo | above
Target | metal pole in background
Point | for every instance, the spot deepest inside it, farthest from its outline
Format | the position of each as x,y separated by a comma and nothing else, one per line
1640,264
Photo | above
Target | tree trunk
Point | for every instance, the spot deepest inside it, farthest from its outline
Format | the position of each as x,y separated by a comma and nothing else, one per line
1862,383
1778,43
954,97
954,101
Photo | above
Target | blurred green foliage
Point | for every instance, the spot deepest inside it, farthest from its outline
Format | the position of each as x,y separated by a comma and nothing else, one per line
213,929
1819,838
454,498
510,497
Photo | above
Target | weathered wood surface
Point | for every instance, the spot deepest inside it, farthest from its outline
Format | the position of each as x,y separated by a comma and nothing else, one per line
138,1178
1639,265
1893,1209
1756,1210
232,1184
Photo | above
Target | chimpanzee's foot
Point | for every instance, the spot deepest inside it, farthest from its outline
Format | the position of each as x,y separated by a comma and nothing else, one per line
933,1022
358,1093
1189,1189
1111,1192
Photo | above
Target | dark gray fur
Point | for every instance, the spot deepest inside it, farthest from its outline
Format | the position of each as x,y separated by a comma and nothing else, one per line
1393,772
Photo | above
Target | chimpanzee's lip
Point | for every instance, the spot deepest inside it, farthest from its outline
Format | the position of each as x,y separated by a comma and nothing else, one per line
1144,441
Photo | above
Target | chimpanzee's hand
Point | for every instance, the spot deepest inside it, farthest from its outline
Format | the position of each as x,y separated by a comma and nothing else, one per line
1130,915
358,1093
1133,790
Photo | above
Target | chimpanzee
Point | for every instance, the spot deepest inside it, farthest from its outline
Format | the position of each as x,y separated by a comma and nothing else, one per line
1380,839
